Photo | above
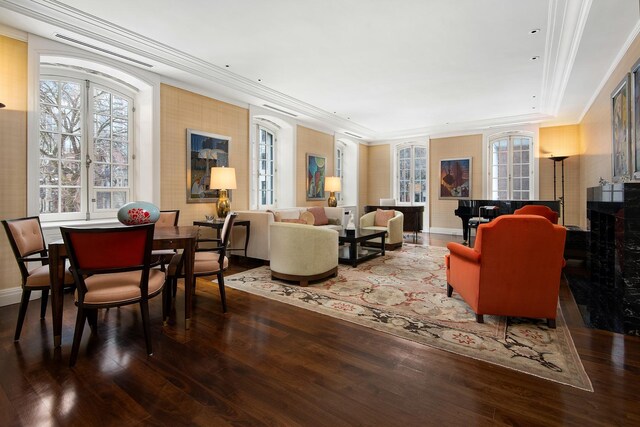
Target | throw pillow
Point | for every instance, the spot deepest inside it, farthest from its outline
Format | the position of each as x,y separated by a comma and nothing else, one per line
307,217
319,215
382,217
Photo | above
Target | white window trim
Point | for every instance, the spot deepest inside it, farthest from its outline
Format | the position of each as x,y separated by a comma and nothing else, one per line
147,116
487,136
273,129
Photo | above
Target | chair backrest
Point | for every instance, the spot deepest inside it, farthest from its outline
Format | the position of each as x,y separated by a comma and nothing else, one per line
109,250
26,239
540,210
521,260
225,233
168,218
387,202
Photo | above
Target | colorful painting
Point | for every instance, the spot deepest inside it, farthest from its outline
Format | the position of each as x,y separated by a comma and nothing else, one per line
316,171
204,151
455,178
636,120
620,130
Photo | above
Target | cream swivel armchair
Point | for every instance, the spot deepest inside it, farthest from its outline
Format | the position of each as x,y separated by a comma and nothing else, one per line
393,225
303,253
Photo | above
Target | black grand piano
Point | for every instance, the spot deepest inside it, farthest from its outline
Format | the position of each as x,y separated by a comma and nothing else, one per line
468,209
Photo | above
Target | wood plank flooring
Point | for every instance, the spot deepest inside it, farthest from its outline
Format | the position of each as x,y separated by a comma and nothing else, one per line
268,363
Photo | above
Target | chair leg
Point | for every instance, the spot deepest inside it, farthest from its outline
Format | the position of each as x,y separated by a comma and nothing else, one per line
480,318
144,309
174,286
43,303
551,323
223,295
92,318
24,303
77,336
449,290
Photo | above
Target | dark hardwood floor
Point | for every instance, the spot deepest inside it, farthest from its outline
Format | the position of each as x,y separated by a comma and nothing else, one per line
268,363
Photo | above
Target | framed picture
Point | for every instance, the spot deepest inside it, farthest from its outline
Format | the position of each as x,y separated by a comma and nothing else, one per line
621,130
455,178
204,151
635,113
316,172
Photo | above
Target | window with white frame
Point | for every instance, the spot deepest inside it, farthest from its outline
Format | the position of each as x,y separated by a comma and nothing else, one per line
85,148
340,150
511,167
266,167
412,174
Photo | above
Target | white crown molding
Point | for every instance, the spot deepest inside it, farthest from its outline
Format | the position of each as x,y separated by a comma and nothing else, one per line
94,30
621,53
13,33
566,22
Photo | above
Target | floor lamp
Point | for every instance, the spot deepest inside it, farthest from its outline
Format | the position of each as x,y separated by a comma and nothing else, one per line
560,159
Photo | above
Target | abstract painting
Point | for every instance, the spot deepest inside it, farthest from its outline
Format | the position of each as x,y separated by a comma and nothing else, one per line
316,171
620,130
455,178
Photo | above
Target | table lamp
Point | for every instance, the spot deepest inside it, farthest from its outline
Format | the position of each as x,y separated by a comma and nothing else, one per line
332,184
223,179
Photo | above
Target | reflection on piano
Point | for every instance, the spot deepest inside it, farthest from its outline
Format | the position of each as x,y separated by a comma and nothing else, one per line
467,209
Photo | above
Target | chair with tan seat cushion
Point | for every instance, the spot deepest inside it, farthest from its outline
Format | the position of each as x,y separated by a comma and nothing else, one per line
111,268
28,245
207,262
303,253
391,221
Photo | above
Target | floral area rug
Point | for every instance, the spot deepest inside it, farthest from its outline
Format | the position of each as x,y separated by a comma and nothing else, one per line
404,294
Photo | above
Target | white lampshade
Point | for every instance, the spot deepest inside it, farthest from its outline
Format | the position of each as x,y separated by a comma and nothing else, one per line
223,178
332,183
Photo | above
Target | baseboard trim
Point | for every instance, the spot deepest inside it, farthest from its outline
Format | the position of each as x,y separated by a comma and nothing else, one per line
14,295
441,230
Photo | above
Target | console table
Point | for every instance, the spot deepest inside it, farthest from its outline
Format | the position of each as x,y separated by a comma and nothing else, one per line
217,225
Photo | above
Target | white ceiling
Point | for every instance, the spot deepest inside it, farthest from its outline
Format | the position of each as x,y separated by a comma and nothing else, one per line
378,68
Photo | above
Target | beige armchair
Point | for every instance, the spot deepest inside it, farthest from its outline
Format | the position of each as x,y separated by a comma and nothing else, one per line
393,239
303,253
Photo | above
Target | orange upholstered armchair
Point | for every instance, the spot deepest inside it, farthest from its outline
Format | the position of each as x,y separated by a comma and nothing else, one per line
514,268
540,210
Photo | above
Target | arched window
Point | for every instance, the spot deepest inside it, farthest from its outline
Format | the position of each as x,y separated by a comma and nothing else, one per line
411,167
339,167
266,167
85,147
511,171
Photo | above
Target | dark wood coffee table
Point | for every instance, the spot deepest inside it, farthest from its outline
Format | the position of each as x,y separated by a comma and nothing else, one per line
351,250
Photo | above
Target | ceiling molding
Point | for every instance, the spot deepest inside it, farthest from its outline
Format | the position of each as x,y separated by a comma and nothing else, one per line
113,37
13,33
623,50
566,22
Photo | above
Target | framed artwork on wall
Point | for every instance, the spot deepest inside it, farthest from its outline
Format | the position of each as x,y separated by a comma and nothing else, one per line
204,151
621,130
455,178
635,113
316,172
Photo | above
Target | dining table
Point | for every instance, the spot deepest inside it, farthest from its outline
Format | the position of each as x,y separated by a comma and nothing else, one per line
178,237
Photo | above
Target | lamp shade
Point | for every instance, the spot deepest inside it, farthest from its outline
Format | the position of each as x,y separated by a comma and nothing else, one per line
223,178
332,183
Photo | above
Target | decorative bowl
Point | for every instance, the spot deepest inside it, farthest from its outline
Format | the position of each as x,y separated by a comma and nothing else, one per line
136,213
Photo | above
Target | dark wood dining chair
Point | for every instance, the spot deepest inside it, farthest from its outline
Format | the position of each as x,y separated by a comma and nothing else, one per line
208,262
28,245
111,268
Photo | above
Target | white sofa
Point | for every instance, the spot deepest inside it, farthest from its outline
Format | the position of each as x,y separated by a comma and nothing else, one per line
260,238
303,253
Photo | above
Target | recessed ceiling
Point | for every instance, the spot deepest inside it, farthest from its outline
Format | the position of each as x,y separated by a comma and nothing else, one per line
377,68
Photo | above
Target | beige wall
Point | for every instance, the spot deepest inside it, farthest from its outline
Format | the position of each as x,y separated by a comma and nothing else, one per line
441,211
379,174
181,110
311,142
363,177
595,131
561,141
13,138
